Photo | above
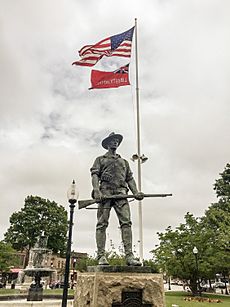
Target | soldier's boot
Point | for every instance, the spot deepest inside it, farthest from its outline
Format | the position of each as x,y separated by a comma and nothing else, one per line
126,234
100,239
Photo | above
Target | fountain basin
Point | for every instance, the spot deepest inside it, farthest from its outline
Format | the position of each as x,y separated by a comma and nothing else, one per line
42,272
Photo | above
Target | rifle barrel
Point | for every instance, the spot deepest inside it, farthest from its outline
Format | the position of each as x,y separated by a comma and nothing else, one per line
156,195
88,202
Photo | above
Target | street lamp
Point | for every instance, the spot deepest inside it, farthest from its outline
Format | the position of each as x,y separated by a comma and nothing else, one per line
195,252
74,272
142,158
169,283
72,195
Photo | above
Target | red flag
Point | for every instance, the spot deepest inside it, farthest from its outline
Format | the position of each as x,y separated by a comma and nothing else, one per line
116,45
105,79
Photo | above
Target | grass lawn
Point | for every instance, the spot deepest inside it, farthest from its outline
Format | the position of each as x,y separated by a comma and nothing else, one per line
177,298
9,291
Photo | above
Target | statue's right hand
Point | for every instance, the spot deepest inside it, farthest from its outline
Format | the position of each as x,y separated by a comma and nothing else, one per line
97,195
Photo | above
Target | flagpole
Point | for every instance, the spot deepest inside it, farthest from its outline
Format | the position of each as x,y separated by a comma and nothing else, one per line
138,150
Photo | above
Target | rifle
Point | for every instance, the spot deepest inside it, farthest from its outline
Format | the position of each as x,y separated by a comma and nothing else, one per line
89,202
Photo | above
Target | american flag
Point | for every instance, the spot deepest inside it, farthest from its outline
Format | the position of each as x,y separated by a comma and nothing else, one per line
117,45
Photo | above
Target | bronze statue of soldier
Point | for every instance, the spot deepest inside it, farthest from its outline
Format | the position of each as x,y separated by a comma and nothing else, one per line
111,175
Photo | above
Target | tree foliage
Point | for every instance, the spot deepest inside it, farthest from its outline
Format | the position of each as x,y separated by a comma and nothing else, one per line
209,234
113,257
38,215
222,185
7,257
175,256
217,221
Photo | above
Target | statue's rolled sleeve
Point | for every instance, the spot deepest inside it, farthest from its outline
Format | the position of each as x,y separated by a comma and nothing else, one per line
129,174
95,169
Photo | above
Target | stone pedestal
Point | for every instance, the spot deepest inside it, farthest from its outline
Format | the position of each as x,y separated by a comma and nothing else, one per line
35,294
108,286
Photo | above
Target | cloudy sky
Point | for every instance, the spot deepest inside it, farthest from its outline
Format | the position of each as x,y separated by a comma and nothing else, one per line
51,125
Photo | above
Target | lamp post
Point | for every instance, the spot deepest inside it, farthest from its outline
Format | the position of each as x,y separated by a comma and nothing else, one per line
169,283
72,195
195,252
74,272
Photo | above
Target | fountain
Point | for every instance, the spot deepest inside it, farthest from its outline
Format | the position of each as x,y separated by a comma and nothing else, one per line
37,268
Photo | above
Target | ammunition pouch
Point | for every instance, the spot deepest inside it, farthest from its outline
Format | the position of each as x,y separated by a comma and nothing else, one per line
106,177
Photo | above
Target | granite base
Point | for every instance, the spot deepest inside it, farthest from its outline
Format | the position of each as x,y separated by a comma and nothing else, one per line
103,287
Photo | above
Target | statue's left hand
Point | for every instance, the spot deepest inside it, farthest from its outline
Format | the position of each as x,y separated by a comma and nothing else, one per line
139,196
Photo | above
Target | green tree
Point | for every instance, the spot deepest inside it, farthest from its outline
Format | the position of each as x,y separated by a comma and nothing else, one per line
222,185
210,234
217,221
113,258
8,257
174,255
38,215
152,265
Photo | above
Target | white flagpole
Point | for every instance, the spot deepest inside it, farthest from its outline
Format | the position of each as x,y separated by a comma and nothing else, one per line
138,151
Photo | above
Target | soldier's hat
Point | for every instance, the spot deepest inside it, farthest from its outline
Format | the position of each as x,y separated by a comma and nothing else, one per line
112,135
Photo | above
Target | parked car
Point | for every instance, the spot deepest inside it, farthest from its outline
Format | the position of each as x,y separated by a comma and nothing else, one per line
2,284
57,285
206,288
219,284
